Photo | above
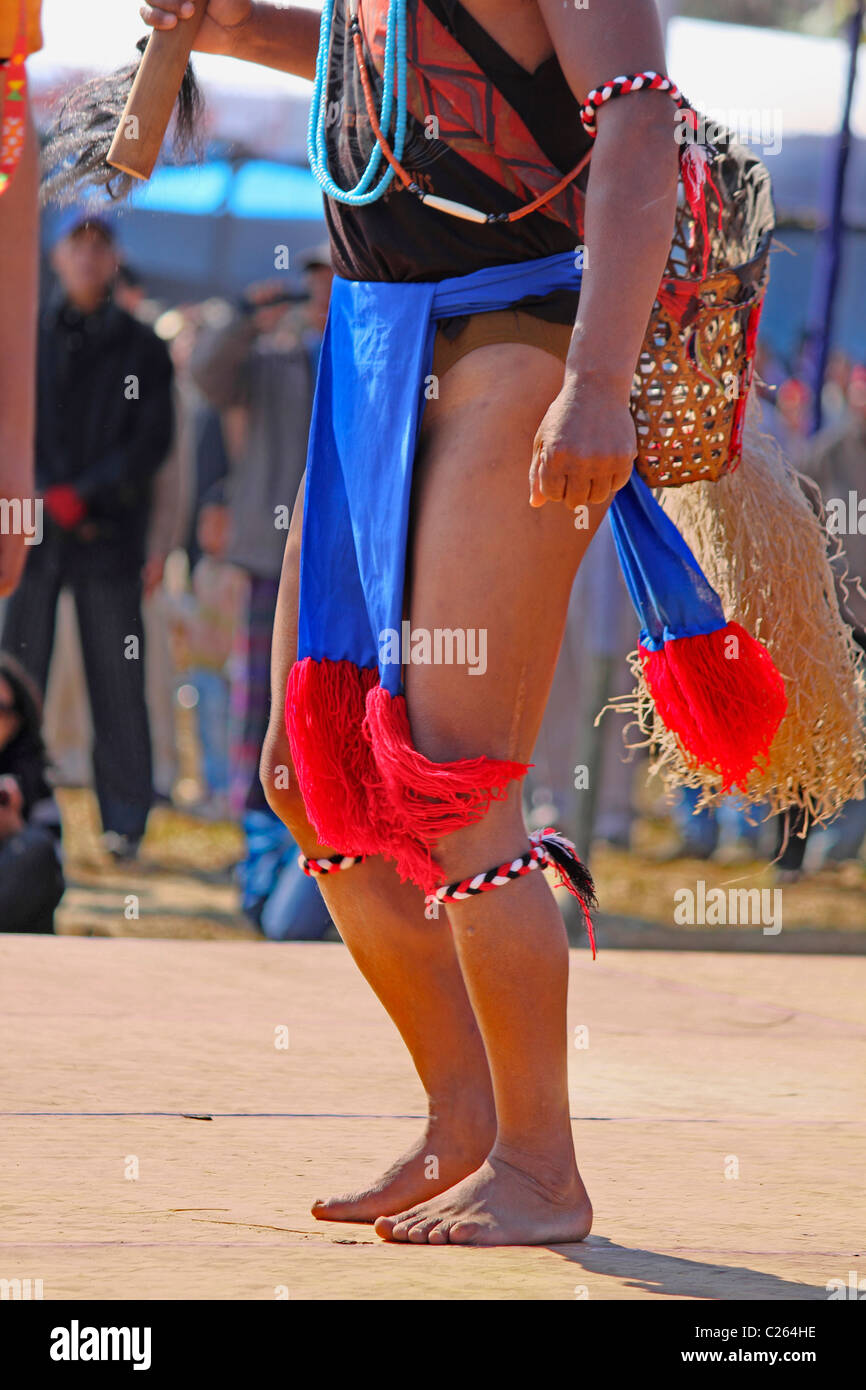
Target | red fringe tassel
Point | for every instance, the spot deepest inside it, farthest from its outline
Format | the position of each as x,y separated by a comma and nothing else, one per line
366,788
429,799
333,761
722,696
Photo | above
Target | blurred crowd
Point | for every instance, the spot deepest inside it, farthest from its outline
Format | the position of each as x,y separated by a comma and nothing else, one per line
170,448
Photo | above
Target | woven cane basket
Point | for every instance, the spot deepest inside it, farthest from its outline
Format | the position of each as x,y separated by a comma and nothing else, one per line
695,368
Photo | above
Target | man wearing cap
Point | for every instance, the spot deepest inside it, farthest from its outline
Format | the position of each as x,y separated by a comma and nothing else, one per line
104,425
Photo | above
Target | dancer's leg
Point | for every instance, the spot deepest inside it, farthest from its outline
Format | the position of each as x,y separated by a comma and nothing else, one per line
409,961
415,972
483,559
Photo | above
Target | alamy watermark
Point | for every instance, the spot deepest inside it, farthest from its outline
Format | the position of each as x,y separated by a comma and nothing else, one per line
21,1290
758,126
77,1343
736,907
22,517
439,646
846,517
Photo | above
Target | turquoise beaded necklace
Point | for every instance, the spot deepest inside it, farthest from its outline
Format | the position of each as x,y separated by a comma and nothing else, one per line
395,59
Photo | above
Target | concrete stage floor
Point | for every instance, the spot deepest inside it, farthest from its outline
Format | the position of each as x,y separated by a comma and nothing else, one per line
717,1110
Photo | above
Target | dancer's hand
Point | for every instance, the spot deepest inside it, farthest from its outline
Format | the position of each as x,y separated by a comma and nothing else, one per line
584,448
219,27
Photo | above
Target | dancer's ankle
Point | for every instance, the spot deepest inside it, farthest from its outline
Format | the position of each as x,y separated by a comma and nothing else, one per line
551,1167
468,1110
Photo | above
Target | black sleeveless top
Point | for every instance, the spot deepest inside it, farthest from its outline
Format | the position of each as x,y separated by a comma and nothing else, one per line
397,238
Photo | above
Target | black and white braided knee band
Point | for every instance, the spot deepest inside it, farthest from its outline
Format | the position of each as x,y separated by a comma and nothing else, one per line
534,858
546,847
332,865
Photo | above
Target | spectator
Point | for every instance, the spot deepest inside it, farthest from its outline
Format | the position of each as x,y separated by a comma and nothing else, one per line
262,366
260,363
171,505
837,388
730,833
104,425
836,461
788,423
204,623
31,879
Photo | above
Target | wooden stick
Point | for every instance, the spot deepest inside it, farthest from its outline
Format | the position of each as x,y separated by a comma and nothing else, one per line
139,136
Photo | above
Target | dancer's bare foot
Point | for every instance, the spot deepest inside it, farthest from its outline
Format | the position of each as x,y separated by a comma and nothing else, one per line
500,1204
447,1151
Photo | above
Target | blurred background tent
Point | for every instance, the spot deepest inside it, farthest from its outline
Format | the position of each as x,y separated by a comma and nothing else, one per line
214,228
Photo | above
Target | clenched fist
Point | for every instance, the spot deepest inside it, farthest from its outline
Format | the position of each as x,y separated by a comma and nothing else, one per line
218,30
584,448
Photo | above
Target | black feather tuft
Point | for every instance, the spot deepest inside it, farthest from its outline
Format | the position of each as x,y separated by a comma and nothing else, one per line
574,872
74,159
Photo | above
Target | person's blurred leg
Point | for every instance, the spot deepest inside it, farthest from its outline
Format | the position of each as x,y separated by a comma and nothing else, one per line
66,724
212,713
112,644
699,831
268,848
159,678
742,836
28,628
844,838
790,844
251,694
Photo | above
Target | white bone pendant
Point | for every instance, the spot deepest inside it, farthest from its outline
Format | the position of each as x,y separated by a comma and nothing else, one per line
455,209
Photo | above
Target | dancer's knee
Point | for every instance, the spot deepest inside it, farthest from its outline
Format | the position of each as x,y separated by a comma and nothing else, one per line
280,785
498,835
441,735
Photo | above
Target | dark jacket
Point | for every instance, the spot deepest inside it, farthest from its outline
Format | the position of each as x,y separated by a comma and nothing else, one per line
104,424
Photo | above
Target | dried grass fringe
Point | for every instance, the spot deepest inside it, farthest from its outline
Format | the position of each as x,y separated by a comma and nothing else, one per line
768,555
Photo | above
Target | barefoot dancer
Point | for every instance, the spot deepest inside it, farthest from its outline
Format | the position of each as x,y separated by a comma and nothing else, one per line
532,408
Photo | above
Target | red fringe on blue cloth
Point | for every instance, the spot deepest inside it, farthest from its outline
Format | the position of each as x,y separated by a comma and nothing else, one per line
366,788
721,695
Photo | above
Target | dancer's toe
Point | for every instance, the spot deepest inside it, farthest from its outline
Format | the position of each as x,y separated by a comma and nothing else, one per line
420,1232
394,1227
463,1232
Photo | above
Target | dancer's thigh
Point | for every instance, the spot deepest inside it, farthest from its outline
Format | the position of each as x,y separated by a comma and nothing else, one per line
285,640
278,779
481,558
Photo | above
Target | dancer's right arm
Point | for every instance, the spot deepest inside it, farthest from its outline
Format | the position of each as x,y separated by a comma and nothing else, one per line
279,36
